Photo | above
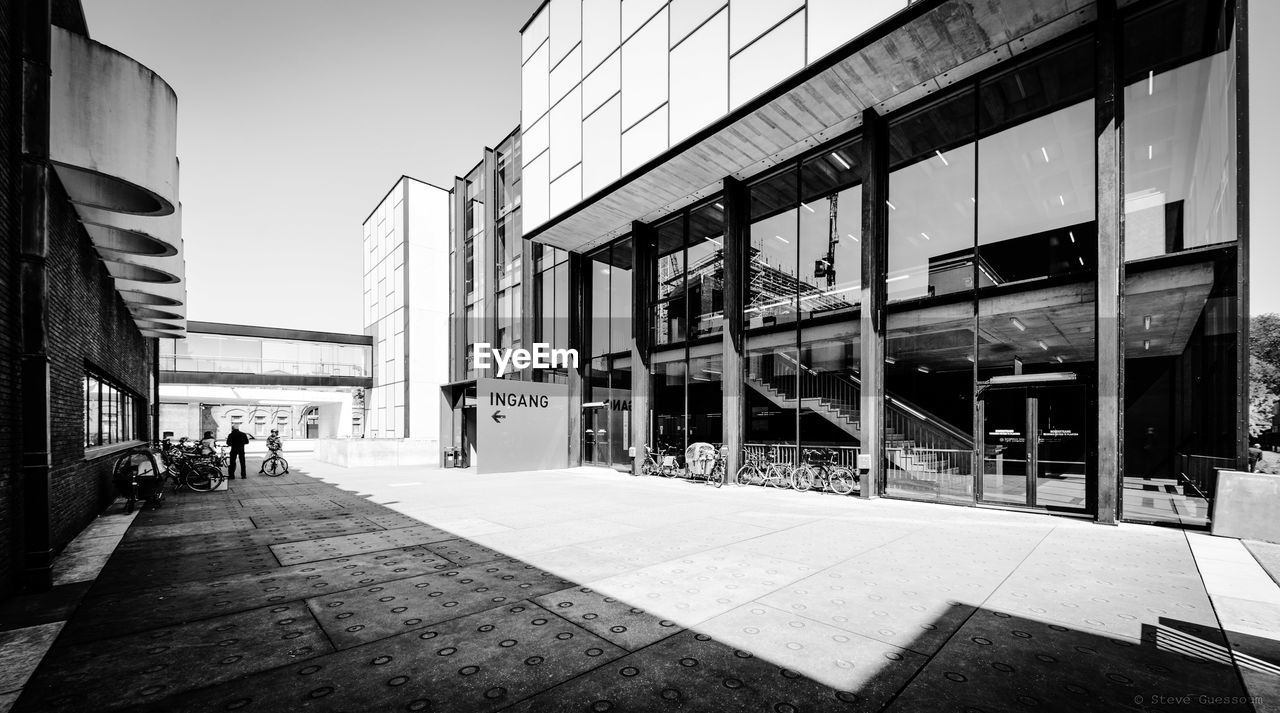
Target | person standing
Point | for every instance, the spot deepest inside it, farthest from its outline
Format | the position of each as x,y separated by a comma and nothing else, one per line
237,440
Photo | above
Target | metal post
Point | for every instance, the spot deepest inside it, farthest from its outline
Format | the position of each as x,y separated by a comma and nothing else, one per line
580,340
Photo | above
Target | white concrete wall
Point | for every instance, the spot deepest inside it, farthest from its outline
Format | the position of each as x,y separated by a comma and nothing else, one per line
607,85
428,283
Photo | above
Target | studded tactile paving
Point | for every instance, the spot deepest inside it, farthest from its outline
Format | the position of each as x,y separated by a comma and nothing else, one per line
1003,662
628,626
360,615
692,672
330,547
99,617
154,663
482,662
465,552
162,568
287,520
824,543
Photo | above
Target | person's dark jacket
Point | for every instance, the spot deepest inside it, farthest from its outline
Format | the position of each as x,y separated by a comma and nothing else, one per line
237,440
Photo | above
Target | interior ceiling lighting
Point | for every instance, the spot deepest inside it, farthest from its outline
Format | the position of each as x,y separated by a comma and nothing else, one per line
1146,322
779,237
1018,323
1081,259
943,158
895,279
720,206
925,235
890,360
1044,152
1072,236
891,206
1150,151
1040,343
923,369
840,160
968,358
1060,360
1151,82
851,237
1061,200
805,206
1146,345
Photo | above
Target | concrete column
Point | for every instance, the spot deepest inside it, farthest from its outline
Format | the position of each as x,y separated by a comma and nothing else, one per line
875,247
642,275
737,251
579,339
33,302
457,334
1109,296
1243,312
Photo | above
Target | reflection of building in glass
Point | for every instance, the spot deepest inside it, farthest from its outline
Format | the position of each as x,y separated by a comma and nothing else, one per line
927,264
307,385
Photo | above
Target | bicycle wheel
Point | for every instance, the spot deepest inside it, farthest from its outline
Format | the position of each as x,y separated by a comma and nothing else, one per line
716,479
745,475
778,476
802,478
274,466
842,481
201,477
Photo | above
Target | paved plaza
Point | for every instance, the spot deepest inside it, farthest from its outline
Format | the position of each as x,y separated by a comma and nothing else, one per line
383,589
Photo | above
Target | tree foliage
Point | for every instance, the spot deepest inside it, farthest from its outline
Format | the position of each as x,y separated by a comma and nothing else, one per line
1264,372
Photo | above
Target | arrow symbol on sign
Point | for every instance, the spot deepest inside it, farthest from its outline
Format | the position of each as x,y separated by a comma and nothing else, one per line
498,416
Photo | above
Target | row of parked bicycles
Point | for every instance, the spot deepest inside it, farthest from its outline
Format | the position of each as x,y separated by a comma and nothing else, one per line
820,468
141,474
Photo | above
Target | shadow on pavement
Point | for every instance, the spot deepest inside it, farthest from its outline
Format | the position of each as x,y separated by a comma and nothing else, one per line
290,594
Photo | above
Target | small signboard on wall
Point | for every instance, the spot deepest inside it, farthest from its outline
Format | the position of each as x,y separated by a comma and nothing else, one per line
521,425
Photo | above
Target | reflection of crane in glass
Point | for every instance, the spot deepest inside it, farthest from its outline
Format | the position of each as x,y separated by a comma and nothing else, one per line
826,265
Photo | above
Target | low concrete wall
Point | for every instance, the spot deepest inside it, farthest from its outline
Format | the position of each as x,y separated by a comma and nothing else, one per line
360,452
1245,506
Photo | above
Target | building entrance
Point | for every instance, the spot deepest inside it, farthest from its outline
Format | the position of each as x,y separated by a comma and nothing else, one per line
1035,446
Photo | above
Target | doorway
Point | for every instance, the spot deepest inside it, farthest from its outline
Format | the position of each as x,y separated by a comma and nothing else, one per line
1035,446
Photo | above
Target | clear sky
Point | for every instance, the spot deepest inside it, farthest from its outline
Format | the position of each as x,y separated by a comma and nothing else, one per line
296,116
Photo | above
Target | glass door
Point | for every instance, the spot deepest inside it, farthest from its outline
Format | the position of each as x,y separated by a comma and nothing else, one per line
1034,447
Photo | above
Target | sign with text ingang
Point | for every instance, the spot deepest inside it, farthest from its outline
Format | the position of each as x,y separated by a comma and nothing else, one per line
521,425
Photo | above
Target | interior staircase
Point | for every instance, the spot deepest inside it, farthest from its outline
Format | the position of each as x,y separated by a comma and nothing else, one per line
914,440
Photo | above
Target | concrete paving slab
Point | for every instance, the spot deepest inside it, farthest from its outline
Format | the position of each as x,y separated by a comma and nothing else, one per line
465,552
20,652
160,567
1000,661
345,545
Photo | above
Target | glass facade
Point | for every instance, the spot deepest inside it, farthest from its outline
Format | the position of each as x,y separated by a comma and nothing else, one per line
111,413
256,355
989,280
1181,261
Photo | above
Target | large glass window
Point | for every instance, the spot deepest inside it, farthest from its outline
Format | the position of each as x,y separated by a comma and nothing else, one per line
705,397
667,314
772,370
668,424
771,290
830,248
705,279
109,412
1181,258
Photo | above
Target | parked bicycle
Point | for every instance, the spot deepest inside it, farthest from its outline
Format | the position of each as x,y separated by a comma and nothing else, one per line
188,468
765,470
821,469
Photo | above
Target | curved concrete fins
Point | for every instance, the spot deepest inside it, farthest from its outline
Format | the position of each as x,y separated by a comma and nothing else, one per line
113,142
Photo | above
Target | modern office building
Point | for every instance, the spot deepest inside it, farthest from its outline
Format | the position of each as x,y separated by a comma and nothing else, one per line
406,310
997,248
91,273
307,385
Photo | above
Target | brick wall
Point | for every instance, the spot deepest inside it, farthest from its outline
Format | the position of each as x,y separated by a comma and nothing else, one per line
88,324
10,67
